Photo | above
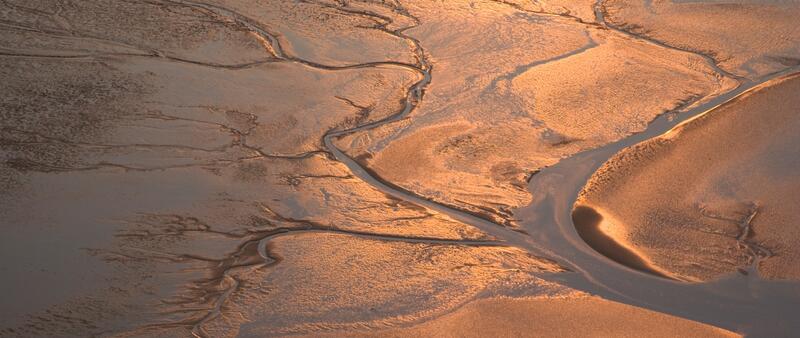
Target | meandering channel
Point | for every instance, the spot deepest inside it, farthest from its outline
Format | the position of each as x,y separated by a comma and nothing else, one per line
747,304
740,302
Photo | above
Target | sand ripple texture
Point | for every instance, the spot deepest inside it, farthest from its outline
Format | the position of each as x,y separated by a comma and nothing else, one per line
220,168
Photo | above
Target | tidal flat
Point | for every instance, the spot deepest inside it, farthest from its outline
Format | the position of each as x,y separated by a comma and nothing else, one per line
243,168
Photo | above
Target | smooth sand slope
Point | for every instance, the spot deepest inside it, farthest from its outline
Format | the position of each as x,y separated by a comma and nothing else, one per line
715,195
581,316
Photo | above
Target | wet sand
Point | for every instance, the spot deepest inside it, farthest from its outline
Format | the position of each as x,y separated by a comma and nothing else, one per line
714,195
551,87
767,44
588,223
572,316
230,168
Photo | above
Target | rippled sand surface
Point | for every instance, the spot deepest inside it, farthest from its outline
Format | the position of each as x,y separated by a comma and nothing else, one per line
746,38
546,91
221,168
713,196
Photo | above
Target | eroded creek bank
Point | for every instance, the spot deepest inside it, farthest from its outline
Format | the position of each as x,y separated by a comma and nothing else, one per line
740,296
224,168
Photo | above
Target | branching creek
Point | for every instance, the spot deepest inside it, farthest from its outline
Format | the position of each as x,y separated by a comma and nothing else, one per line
743,303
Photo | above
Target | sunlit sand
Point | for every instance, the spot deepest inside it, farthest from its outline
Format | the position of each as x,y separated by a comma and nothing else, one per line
223,168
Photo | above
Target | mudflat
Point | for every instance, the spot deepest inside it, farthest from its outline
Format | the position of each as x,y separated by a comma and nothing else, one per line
715,195
222,168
